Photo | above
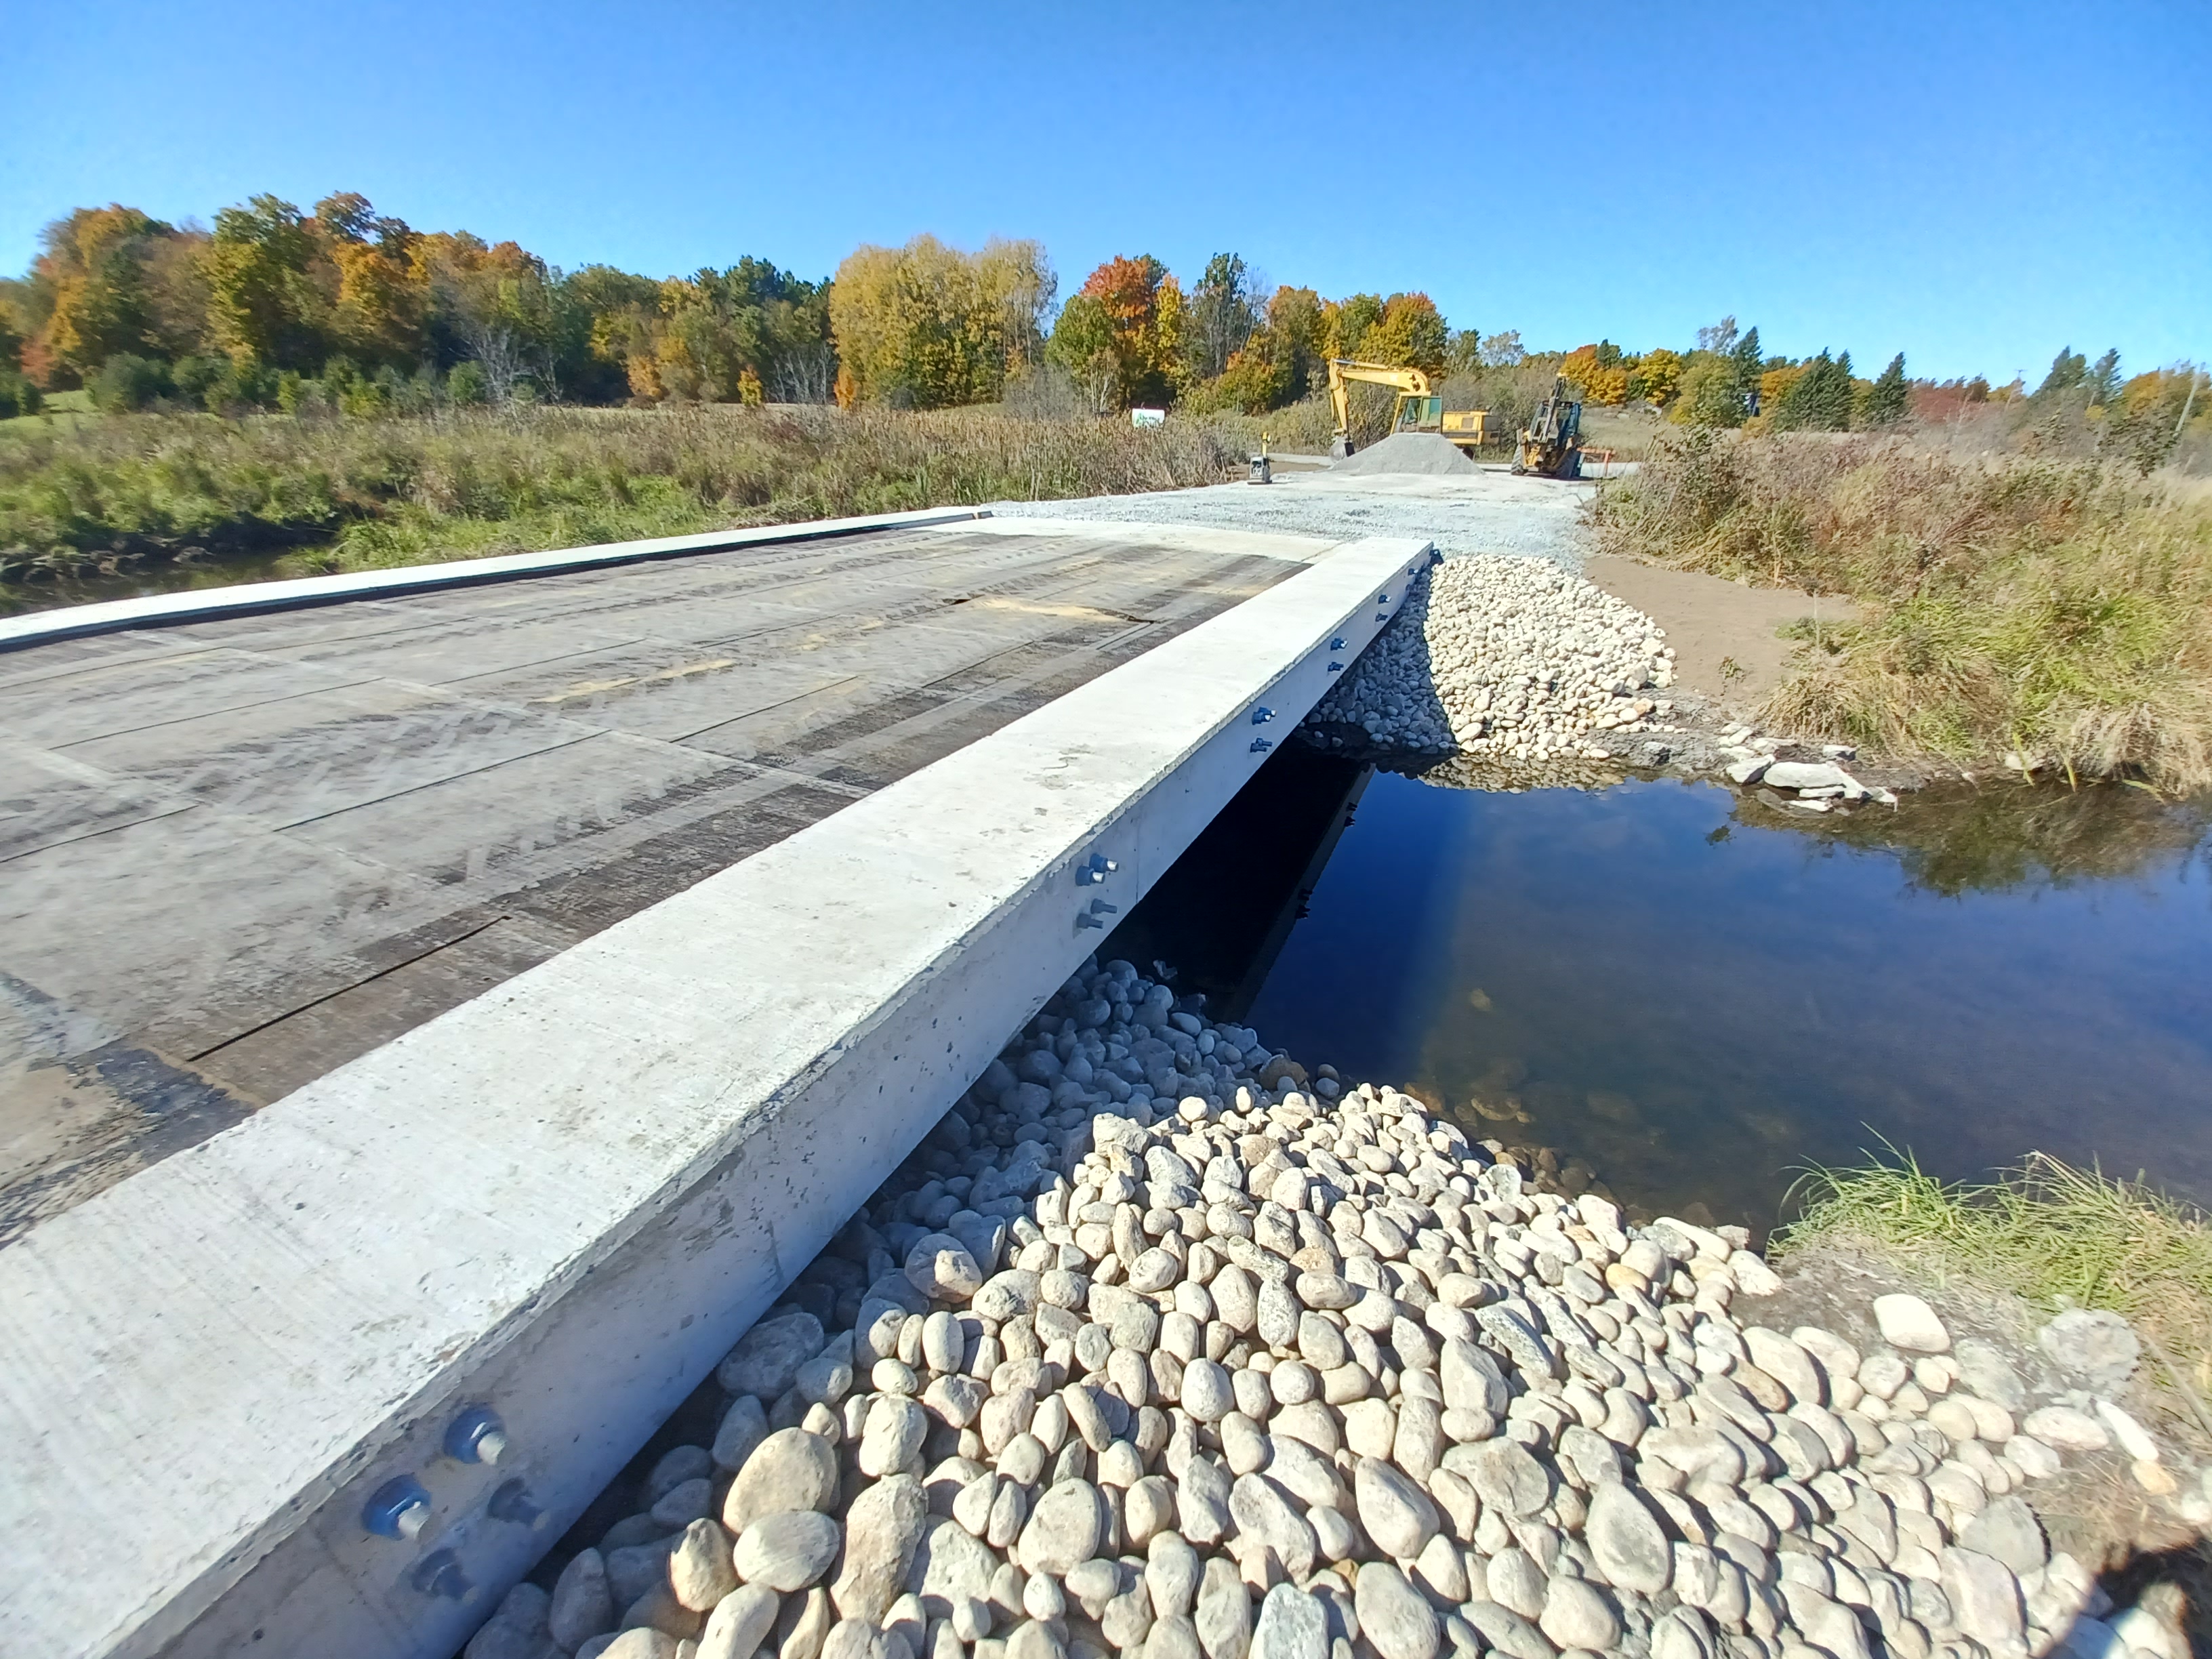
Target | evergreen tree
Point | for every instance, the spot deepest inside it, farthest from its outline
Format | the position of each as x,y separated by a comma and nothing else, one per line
2103,379
1885,399
1745,358
1819,399
2068,369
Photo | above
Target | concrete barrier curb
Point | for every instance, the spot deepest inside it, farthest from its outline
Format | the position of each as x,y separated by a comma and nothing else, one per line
204,604
566,1198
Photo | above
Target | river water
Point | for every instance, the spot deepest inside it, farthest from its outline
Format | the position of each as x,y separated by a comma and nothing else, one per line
1696,995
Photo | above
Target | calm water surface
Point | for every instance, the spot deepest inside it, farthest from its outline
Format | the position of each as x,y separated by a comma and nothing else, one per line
1663,980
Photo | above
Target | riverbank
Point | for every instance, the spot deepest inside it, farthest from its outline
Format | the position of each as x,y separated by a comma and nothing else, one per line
1493,659
2053,616
1161,1343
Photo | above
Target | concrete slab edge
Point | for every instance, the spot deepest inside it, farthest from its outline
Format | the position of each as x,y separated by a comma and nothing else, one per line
566,1197
247,599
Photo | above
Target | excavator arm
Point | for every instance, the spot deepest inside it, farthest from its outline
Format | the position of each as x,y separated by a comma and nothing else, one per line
1411,385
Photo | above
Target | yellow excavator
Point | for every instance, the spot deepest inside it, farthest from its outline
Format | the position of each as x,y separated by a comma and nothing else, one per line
1418,408
1552,443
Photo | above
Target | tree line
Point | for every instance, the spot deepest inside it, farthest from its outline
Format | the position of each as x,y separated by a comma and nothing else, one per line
344,309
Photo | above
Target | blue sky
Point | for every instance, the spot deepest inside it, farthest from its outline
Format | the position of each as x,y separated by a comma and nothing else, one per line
1974,185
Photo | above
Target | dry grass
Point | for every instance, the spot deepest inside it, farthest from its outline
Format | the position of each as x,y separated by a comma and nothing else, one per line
132,491
2047,1232
2059,609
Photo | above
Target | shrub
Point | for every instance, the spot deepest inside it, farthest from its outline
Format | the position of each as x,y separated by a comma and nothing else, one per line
18,396
127,382
467,385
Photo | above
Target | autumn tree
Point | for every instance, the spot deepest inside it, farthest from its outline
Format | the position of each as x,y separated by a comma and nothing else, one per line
927,326
1410,333
380,311
1280,360
112,281
1599,372
1656,377
1346,323
1125,323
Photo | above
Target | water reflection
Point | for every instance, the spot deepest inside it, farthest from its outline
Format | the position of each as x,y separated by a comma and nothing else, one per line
1699,996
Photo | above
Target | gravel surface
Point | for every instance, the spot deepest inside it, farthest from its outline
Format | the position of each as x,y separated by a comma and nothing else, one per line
1159,1347
1504,654
1482,512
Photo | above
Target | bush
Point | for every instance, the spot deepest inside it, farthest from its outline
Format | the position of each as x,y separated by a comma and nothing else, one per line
18,396
467,385
126,382
238,387
192,378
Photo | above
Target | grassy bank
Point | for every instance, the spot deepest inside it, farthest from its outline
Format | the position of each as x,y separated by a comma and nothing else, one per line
127,493
2046,1232
2060,610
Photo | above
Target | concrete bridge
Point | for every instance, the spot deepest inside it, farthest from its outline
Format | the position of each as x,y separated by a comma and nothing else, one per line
488,984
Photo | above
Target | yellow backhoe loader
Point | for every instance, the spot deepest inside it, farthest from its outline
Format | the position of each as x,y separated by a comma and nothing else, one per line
1552,443
1418,408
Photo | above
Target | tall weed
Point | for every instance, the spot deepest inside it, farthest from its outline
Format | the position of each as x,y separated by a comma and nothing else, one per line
145,488
2059,609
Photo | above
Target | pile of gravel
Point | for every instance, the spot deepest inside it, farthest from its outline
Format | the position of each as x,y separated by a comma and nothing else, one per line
1428,454
1155,1347
1494,654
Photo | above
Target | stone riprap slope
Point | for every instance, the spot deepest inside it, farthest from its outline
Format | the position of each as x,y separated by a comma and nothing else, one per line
1157,1347
1492,655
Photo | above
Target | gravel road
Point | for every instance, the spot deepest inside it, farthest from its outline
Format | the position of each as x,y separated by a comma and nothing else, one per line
1485,513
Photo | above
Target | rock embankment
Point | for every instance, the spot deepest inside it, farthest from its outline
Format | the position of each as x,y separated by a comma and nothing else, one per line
1508,661
1159,1347
1513,656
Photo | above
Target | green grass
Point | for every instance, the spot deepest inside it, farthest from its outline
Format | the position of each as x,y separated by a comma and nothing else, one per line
2047,1232
2062,610
123,495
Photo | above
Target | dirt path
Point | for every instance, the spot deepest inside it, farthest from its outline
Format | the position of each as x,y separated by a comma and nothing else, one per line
1711,620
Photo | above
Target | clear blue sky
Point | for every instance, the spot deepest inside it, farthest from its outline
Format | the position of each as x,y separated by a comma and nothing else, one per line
1974,184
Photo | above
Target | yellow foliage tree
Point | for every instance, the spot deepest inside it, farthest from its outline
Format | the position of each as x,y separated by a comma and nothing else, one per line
928,326
1774,385
1597,381
1409,334
1658,376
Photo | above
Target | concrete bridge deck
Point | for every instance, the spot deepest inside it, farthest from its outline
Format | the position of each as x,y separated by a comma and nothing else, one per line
237,852
563,1198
